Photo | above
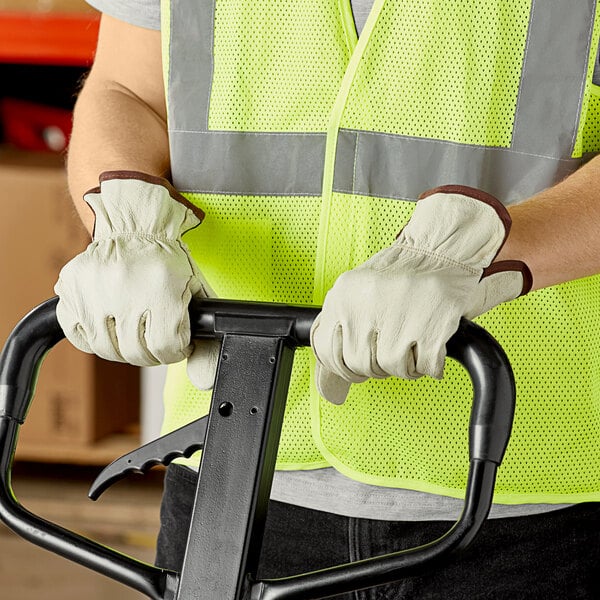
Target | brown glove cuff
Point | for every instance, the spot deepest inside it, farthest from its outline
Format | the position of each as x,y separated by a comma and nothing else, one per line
512,265
154,179
504,216
476,194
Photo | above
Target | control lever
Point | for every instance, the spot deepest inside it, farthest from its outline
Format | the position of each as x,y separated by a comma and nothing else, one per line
182,442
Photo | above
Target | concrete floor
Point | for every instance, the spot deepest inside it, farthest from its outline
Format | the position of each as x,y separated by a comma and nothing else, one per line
125,518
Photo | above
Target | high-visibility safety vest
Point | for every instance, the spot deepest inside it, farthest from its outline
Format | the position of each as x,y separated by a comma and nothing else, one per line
307,148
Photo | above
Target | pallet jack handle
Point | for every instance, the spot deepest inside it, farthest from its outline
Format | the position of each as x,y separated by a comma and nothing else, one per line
258,341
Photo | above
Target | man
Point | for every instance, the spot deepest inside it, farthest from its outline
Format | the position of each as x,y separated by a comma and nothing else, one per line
298,150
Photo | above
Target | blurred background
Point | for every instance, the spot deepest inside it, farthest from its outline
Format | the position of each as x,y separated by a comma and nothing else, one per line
86,412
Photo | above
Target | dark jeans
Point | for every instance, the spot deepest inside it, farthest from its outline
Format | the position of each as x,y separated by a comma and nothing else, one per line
552,556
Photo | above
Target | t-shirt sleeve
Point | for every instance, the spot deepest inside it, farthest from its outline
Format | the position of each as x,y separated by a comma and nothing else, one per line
143,13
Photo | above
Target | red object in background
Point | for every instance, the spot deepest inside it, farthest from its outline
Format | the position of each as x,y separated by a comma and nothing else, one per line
35,127
48,38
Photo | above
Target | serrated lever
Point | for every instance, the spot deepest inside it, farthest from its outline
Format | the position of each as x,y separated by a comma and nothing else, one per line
182,442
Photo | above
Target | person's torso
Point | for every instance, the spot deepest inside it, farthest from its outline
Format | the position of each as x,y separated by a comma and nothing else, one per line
307,148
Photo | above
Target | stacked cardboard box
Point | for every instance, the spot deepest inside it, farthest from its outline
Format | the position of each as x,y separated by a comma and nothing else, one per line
80,398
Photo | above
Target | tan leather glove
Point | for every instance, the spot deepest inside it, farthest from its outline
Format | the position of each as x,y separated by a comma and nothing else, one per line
126,297
393,314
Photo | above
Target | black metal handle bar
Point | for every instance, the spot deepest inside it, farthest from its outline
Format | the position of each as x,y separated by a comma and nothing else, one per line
490,426
473,347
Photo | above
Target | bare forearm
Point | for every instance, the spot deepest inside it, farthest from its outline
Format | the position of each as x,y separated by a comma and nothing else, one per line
557,232
120,116
113,130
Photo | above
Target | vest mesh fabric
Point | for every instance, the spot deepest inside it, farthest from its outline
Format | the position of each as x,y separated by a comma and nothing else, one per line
414,434
295,41
442,70
256,248
432,69
591,131
587,140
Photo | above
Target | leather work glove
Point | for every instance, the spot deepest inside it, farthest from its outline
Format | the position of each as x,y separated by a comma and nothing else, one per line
393,314
126,297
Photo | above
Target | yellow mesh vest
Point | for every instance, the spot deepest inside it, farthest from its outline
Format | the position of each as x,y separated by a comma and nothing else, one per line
307,148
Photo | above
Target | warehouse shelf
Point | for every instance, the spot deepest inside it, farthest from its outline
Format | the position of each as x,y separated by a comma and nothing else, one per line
100,453
52,38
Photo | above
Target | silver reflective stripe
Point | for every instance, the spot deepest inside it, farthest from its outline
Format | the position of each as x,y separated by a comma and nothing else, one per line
379,164
191,65
231,162
553,77
226,162
544,131
392,166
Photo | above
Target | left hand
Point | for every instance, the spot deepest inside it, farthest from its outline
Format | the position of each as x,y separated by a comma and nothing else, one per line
393,314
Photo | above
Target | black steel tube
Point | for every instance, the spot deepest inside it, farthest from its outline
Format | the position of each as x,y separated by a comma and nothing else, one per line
22,356
145,578
213,318
494,390
388,568
491,421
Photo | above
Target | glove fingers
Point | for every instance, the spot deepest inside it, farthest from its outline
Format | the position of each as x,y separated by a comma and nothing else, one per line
417,358
429,360
127,338
202,363
85,336
74,331
330,386
328,345
375,368
137,341
397,358
103,341
430,351
165,336
360,356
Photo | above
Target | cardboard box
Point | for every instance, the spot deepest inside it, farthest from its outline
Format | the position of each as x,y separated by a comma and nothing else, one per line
80,398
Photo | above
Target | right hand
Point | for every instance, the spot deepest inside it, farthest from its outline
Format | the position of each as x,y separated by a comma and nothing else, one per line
126,297
394,314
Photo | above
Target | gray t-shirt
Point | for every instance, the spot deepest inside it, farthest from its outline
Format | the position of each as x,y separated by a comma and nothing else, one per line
146,13
143,13
326,489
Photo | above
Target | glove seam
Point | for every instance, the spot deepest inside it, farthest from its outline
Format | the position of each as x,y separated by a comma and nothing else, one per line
511,266
475,194
147,236
152,180
442,257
